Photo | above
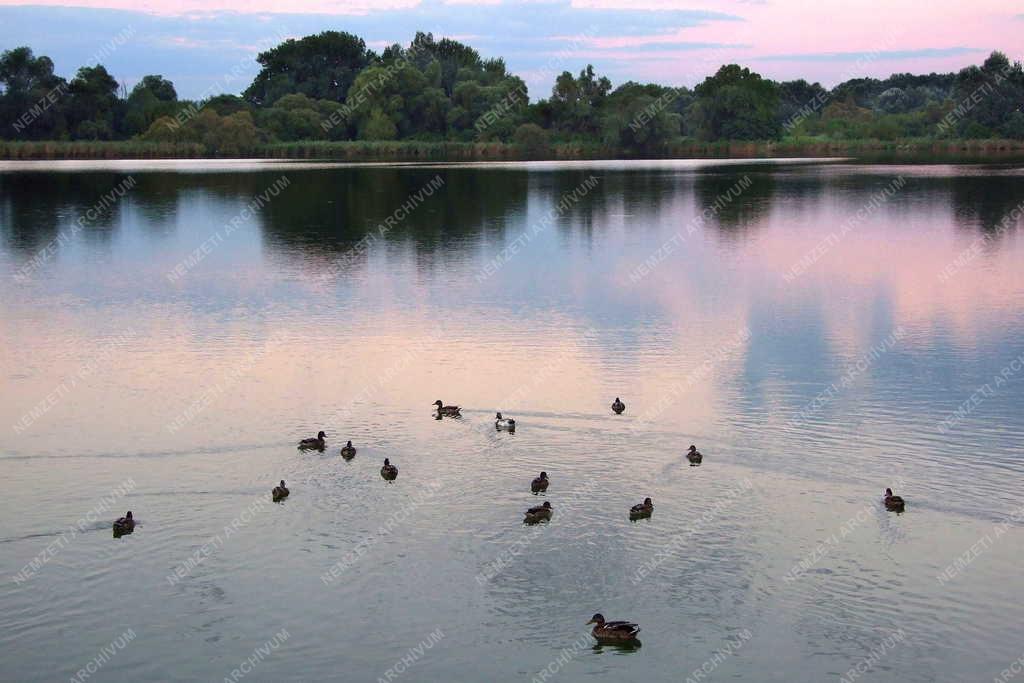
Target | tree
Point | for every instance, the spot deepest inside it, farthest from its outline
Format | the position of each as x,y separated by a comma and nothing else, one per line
321,66
378,127
92,103
221,135
576,102
451,56
236,134
161,88
151,98
736,104
1014,126
989,95
532,139
799,101
640,118
293,117
31,97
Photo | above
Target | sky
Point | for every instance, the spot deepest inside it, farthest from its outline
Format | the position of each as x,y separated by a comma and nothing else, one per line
208,46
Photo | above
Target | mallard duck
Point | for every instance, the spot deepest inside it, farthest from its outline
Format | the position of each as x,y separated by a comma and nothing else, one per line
540,484
894,503
348,450
502,423
643,509
541,513
280,492
318,443
618,406
694,456
613,631
124,525
442,409
388,471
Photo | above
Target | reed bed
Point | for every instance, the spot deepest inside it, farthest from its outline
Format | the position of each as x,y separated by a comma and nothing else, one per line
412,150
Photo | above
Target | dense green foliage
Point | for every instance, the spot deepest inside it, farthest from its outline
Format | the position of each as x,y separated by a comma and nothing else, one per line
321,67
330,88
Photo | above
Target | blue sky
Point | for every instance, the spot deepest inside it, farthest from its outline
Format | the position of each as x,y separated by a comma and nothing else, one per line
196,43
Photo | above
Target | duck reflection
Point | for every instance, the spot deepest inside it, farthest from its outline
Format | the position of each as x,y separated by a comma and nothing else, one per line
617,648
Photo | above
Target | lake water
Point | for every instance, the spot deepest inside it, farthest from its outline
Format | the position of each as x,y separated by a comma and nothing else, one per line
819,329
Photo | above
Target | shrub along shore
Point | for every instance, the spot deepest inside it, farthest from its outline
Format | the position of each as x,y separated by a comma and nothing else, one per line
365,151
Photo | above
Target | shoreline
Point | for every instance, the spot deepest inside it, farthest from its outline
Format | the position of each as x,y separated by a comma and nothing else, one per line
412,151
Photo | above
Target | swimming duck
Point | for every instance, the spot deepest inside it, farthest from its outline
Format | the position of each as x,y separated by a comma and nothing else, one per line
618,406
318,443
348,450
388,471
613,631
694,456
124,525
442,409
894,503
540,484
280,492
643,509
541,513
502,423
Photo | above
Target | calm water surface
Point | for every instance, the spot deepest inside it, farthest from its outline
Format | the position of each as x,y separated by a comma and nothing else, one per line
813,327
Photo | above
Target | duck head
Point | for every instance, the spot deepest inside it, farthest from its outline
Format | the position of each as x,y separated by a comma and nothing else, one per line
282,484
321,436
888,493
693,449
647,501
547,505
438,403
497,416
349,444
543,475
596,619
386,462
128,515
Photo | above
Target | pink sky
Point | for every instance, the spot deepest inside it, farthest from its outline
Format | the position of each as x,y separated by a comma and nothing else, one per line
674,42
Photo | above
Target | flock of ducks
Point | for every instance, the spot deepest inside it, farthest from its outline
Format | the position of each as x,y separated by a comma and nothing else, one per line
603,631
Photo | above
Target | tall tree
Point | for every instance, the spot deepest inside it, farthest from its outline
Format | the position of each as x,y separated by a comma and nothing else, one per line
31,96
450,54
92,104
152,97
736,104
988,96
322,67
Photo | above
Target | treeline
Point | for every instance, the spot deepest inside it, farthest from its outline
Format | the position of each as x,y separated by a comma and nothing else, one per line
330,87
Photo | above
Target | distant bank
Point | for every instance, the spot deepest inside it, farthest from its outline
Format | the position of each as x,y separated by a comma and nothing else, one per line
943,150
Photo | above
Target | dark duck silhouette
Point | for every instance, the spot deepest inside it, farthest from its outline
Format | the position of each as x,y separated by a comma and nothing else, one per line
641,510
893,503
501,423
613,631
314,444
540,513
124,525
450,411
